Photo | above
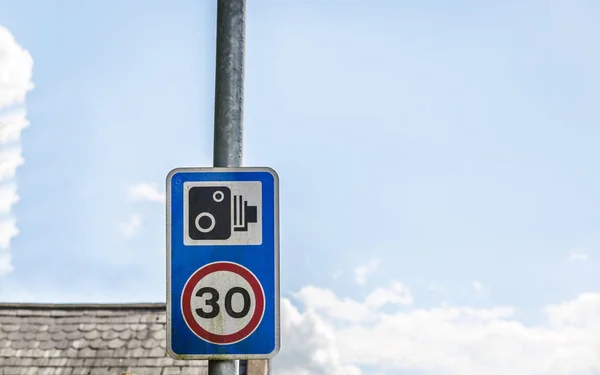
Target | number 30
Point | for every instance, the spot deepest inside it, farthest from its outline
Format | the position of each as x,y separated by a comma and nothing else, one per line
215,309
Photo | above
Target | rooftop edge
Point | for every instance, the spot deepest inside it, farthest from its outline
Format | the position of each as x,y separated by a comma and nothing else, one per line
83,306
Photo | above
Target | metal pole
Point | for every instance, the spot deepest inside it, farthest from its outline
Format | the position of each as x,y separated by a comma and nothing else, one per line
229,83
223,367
229,108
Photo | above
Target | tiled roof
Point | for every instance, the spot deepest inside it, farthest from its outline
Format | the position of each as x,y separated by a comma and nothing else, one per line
61,339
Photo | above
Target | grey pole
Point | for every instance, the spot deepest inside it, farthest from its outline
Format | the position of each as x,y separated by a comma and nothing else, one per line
229,108
223,367
229,83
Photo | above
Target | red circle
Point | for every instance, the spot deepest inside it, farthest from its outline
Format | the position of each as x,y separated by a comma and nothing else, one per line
186,303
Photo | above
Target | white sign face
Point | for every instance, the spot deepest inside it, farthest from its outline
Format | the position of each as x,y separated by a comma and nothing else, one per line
232,310
223,303
222,213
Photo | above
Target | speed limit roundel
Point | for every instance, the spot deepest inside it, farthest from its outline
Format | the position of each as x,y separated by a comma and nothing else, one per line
223,303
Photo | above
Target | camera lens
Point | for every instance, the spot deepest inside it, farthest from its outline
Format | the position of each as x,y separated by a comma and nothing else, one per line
210,227
218,196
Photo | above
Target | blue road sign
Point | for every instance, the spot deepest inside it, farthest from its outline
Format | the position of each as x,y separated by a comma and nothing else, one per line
222,263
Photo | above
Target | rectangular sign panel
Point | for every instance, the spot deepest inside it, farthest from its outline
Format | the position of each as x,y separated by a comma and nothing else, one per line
222,263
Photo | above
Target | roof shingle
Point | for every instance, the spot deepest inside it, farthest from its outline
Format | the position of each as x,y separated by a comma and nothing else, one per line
87,340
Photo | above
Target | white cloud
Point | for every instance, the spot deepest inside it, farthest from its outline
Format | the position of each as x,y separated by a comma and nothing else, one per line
477,286
8,230
577,256
398,294
10,160
131,226
11,126
146,191
441,340
346,309
8,197
309,347
5,262
16,67
361,272
577,313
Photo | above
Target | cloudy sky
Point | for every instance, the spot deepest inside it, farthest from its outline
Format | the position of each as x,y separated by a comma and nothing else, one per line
438,162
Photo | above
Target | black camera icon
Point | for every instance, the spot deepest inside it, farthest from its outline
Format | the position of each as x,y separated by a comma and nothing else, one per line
214,213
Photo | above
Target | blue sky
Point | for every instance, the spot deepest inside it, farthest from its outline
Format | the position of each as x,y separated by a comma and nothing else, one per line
449,146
